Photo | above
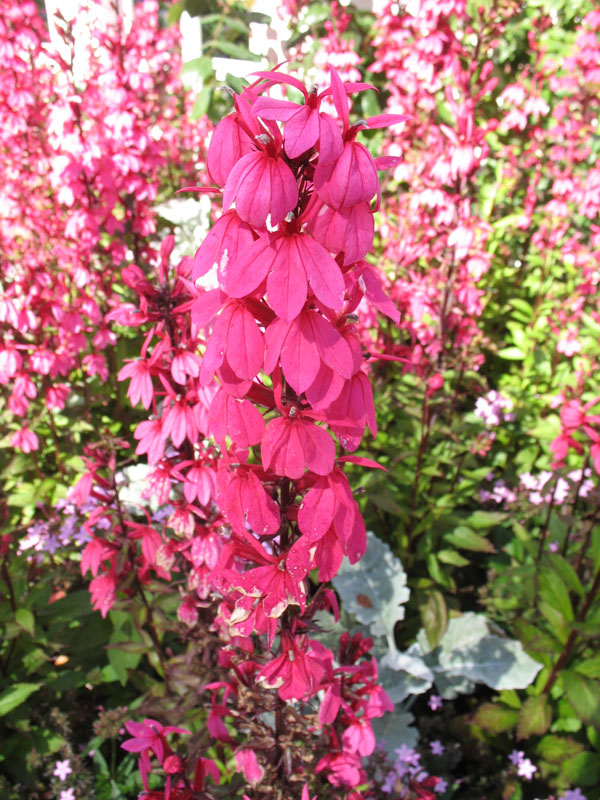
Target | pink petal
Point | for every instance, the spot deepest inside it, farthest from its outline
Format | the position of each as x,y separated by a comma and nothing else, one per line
244,344
301,131
332,347
228,236
286,284
317,509
248,269
319,448
349,230
323,273
268,108
228,144
331,143
261,185
349,180
238,419
282,449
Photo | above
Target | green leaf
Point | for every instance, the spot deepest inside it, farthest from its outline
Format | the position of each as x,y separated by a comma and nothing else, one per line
566,573
202,102
547,428
232,50
434,616
511,354
453,558
202,67
584,696
17,694
552,591
590,667
535,717
174,13
556,749
496,718
466,539
583,769
486,519
25,619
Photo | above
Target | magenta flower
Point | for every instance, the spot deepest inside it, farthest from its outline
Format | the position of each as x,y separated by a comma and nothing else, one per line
149,736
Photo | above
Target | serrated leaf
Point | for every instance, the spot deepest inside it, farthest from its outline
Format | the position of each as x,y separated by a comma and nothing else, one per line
496,718
535,717
556,749
583,769
374,589
16,695
25,619
583,695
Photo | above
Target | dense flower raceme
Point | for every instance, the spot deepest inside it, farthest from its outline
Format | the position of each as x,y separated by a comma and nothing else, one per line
281,375
83,157
437,232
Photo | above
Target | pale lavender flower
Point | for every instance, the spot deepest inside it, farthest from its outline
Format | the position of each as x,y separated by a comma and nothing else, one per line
440,786
52,544
528,481
437,748
526,769
67,794
62,769
553,547
561,491
573,794
516,757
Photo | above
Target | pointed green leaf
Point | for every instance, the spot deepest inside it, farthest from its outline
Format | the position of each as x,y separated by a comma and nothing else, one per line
535,717
17,694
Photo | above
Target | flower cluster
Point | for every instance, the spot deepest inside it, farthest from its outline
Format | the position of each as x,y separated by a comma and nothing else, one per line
281,375
85,157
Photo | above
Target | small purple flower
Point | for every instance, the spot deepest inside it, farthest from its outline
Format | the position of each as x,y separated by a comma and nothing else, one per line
52,544
526,769
516,757
553,547
435,702
573,794
437,748
67,794
440,786
62,769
